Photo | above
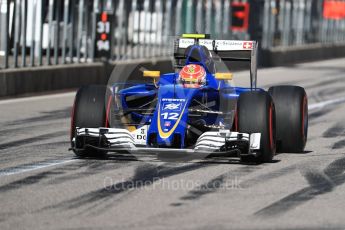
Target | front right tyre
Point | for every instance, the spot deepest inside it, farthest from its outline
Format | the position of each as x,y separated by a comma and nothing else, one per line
292,117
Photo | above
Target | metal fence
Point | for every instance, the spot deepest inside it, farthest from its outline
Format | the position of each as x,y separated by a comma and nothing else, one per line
52,32
299,22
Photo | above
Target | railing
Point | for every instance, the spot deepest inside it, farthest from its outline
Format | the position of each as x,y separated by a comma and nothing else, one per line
52,32
299,22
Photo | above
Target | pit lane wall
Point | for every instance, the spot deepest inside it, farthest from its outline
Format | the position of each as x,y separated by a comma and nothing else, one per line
26,81
280,56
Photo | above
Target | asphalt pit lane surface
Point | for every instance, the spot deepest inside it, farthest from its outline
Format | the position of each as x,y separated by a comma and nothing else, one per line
319,183
339,144
226,181
32,139
335,131
46,116
30,180
144,175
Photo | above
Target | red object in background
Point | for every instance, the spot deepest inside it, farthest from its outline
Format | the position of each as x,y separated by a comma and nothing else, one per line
240,16
104,37
104,17
333,9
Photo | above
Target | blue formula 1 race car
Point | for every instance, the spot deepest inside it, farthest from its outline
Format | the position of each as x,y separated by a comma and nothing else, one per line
194,111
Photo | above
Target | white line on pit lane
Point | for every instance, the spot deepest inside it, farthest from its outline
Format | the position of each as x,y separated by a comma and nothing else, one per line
37,98
33,167
322,104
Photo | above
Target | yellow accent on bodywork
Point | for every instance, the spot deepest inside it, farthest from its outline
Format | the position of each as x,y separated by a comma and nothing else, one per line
154,74
163,134
223,76
196,36
191,80
131,128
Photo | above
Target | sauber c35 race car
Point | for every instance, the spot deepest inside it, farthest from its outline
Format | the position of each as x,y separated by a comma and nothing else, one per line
195,110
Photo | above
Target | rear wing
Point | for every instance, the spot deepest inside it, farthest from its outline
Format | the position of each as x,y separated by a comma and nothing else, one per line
226,50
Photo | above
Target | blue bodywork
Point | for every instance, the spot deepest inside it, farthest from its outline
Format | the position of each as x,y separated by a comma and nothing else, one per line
169,114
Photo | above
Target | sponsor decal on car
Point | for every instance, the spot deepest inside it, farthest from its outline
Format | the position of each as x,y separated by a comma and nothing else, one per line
184,43
139,135
170,112
167,123
172,106
173,99
247,45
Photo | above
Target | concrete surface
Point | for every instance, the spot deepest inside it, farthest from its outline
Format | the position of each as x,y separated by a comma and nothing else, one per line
43,186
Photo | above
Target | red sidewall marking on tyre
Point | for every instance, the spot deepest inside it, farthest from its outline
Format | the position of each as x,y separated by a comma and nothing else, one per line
108,111
236,122
303,114
271,126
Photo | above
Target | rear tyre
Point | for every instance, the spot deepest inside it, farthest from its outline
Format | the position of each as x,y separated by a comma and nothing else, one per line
256,114
89,111
292,117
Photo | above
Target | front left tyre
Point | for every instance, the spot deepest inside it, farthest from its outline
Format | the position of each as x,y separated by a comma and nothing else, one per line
89,111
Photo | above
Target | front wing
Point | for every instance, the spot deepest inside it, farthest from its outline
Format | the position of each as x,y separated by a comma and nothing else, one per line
213,143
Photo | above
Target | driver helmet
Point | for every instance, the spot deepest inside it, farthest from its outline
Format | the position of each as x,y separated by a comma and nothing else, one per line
192,76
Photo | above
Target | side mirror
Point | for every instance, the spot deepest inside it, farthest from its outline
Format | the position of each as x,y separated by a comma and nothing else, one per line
153,74
223,76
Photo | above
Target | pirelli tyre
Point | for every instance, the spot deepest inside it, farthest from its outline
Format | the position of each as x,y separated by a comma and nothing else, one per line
256,114
89,111
291,104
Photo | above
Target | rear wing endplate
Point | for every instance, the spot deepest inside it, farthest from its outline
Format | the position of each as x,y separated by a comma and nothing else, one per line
226,50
